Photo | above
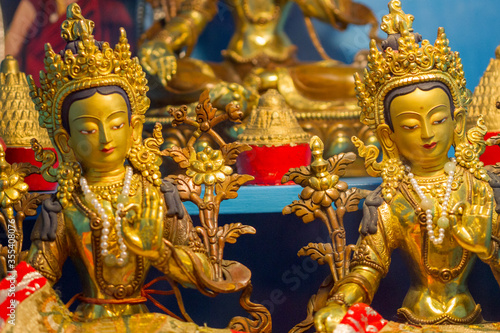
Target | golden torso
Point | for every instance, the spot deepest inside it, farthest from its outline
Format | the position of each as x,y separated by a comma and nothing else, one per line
438,272
259,31
101,281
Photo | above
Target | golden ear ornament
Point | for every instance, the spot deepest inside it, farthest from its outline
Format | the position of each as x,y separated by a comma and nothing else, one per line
411,63
468,151
146,157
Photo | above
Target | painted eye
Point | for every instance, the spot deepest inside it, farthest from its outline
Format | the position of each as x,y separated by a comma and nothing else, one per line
86,132
410,127
437,122
119,126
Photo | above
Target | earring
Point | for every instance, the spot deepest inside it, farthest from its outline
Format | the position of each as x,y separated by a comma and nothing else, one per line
68,175
146,158
392,174
472,146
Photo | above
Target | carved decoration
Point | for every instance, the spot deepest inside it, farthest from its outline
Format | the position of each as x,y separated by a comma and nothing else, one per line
322,188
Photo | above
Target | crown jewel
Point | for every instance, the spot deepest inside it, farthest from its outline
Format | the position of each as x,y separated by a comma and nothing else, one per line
90,66
408,64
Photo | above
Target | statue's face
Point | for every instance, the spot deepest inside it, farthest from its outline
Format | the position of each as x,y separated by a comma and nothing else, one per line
423,127
100,132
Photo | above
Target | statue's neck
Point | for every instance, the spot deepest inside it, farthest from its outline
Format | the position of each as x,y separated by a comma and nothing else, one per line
95,176
429,169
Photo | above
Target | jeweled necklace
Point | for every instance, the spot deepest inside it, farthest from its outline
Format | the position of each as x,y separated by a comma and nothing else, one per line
427,203
90,197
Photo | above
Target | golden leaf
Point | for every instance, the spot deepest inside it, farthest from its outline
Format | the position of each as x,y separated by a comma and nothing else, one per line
228,189
338,163
303,209
230,232
350,199
30,202
317,251
205,112
186,187
299,176
179,155
24,169
232,150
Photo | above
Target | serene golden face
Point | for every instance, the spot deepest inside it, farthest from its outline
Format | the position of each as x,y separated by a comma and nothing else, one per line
100,131
423,127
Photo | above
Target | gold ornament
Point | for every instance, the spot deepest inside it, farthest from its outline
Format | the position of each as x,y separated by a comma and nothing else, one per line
392,173
467,152
18,117
485,98
273,123
409,64
90,67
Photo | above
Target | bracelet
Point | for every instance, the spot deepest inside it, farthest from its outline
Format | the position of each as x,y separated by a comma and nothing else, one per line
359,280
338,299
165,254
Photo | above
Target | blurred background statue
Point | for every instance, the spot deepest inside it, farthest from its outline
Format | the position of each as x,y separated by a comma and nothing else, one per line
260,56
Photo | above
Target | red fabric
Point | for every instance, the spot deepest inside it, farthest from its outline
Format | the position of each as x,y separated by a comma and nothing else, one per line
16,287
269,164
492,153
360,318
108,17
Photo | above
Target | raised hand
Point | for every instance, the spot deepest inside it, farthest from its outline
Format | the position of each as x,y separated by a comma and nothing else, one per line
158,60
142,225
327,319
471,222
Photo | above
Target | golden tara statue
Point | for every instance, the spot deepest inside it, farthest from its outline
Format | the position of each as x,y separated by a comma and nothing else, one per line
260,56
438,210
113,215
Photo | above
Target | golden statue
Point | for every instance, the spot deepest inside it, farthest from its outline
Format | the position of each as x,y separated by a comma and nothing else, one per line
113,214
259,57
439,211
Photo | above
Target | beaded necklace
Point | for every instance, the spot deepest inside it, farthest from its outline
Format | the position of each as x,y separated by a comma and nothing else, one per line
90,197
427,203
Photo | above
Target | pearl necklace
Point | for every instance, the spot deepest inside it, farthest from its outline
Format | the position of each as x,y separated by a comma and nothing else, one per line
427,203
90,197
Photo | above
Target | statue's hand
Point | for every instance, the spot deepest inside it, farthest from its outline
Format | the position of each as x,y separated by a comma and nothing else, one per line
158,60
471,222
142,225
224,93
327,319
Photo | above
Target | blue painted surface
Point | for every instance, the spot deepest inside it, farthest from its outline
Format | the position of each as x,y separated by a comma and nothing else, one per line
254,199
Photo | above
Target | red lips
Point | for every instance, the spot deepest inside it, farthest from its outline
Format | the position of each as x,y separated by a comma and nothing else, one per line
430,145
108,150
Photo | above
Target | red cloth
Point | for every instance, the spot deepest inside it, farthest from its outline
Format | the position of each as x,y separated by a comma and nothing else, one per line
360,318
491,155
16,287
43,31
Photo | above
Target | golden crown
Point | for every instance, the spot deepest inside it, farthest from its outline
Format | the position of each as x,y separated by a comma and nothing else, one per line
409,64
90,67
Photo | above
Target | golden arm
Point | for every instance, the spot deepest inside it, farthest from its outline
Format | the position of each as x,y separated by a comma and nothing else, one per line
369,265
48,256
340,13
160,43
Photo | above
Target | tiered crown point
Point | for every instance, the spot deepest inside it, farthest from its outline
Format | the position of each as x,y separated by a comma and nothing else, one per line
86,64
76,26
396,21
405,62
